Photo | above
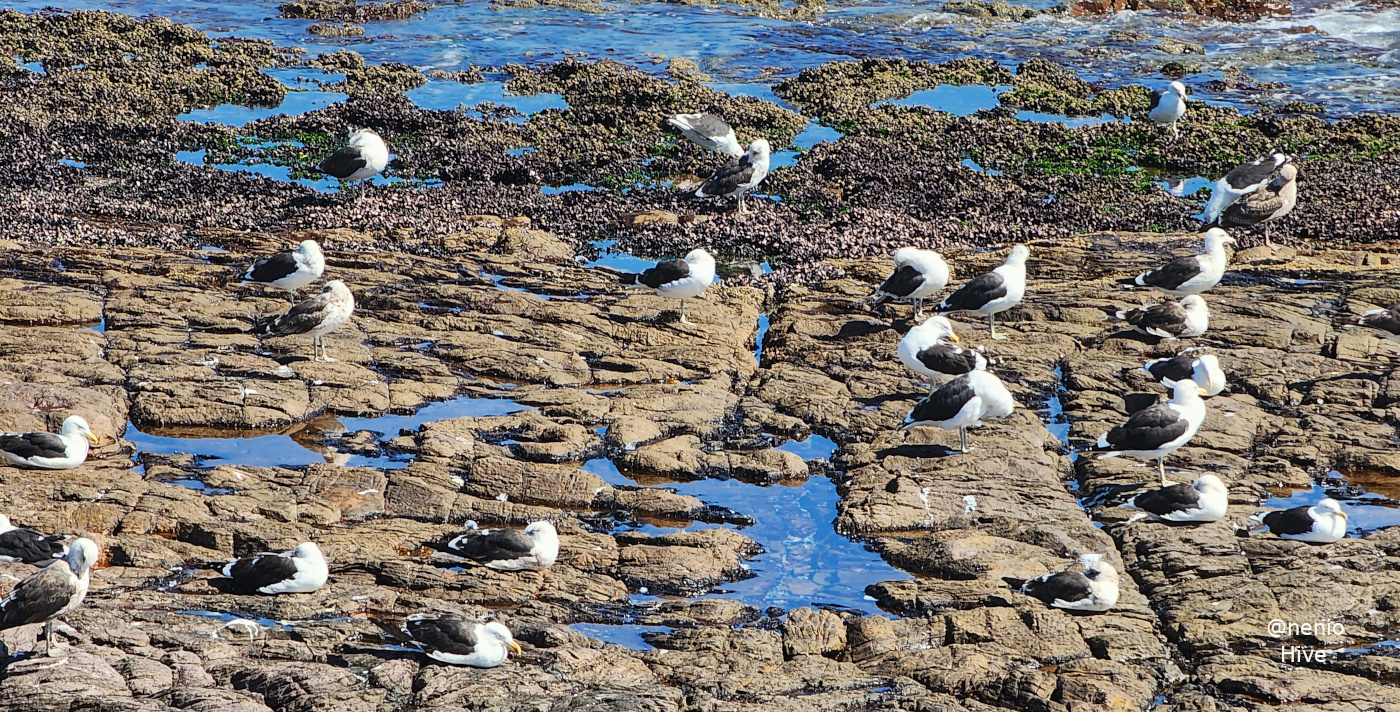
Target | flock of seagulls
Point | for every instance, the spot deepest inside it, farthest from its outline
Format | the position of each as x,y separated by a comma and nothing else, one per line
314,316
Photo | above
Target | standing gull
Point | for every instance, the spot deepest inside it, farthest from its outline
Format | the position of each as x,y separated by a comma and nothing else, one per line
1168,320
29,546
47,451
1204,370
51,591
992,293
963,403
289,269
678,279
455,639
363,157
301,570
918,275
738,176
1240,182
1322,523
534,549
1155,432
317,316
1203,501
925,351
1265,205
1093,591
1168,106
709,132
1191,275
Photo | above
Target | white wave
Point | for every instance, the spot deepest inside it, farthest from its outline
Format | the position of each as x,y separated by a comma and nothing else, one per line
1352,21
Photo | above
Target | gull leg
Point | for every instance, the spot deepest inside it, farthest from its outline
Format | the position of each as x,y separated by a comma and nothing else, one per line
48,638
918,308
992,321
1162,470
324,352
932,385
292,296
962,437
1175,131
683,319
1267,241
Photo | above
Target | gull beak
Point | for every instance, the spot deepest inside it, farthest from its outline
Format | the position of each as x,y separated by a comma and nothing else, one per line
1343,515
953,338
91,438
514,646
1202,391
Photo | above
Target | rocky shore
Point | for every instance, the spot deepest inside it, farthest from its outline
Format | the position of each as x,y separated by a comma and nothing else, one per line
119,300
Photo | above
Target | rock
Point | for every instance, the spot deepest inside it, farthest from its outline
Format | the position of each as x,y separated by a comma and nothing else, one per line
808,631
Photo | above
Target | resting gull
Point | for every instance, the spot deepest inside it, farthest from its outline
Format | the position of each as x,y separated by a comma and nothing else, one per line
678,279
289,269
1168,320
918,275
301,570
363,157
534,549
962,403
1240,182
739,176
925,351
1168,106
51,591
29,546
1204,500
1386,321
992,293
47,451
455,639
1322,523
1093,591
1191,275
1155,432
317,316
1204,370
709,132
1265,205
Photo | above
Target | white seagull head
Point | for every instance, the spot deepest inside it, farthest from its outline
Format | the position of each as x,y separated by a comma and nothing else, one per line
1193,304
1096,569
759,148
937,327
542,531
500,632
1216,239
1330,507
1019,255
82,554
358,136
1288,173
309,249
309,551
1209,483
1180,90
5,524
337,290
76,425
1215,376
1184,391
699,257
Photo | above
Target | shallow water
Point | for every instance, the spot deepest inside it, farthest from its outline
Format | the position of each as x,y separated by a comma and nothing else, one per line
1366,501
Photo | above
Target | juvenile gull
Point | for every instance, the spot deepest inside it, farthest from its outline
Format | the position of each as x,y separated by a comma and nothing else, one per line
918,275
534,549
455,639
301,570
1204,370
1155,432
1094,590
1168,106
925,351
1168,320
29,546
51,591
289,269
1205,500
992,293
363,157
47,451
1191,275
739,176
709,132
317,316
962,403
1322,523
677,279
1265,205
1240,182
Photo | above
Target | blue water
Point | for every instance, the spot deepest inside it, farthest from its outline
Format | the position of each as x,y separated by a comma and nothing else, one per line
815,446
618,260
628,635
319,183
758,338
1366,512
955,100
1071,122
296,104
448,95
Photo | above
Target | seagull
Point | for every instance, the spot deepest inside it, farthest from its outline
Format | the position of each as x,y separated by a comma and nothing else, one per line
963,403
455,639
918,274
924,352
363,157
317,316
289,269
1203,501
678,279
738,176
1093,591
1168,320
29,546
534,549
1191,275
1155,432
709,132
46,451
1240,182
992,293
301,570
1168,106
1386,321
51,591
1204,370
1265,205
1322,523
